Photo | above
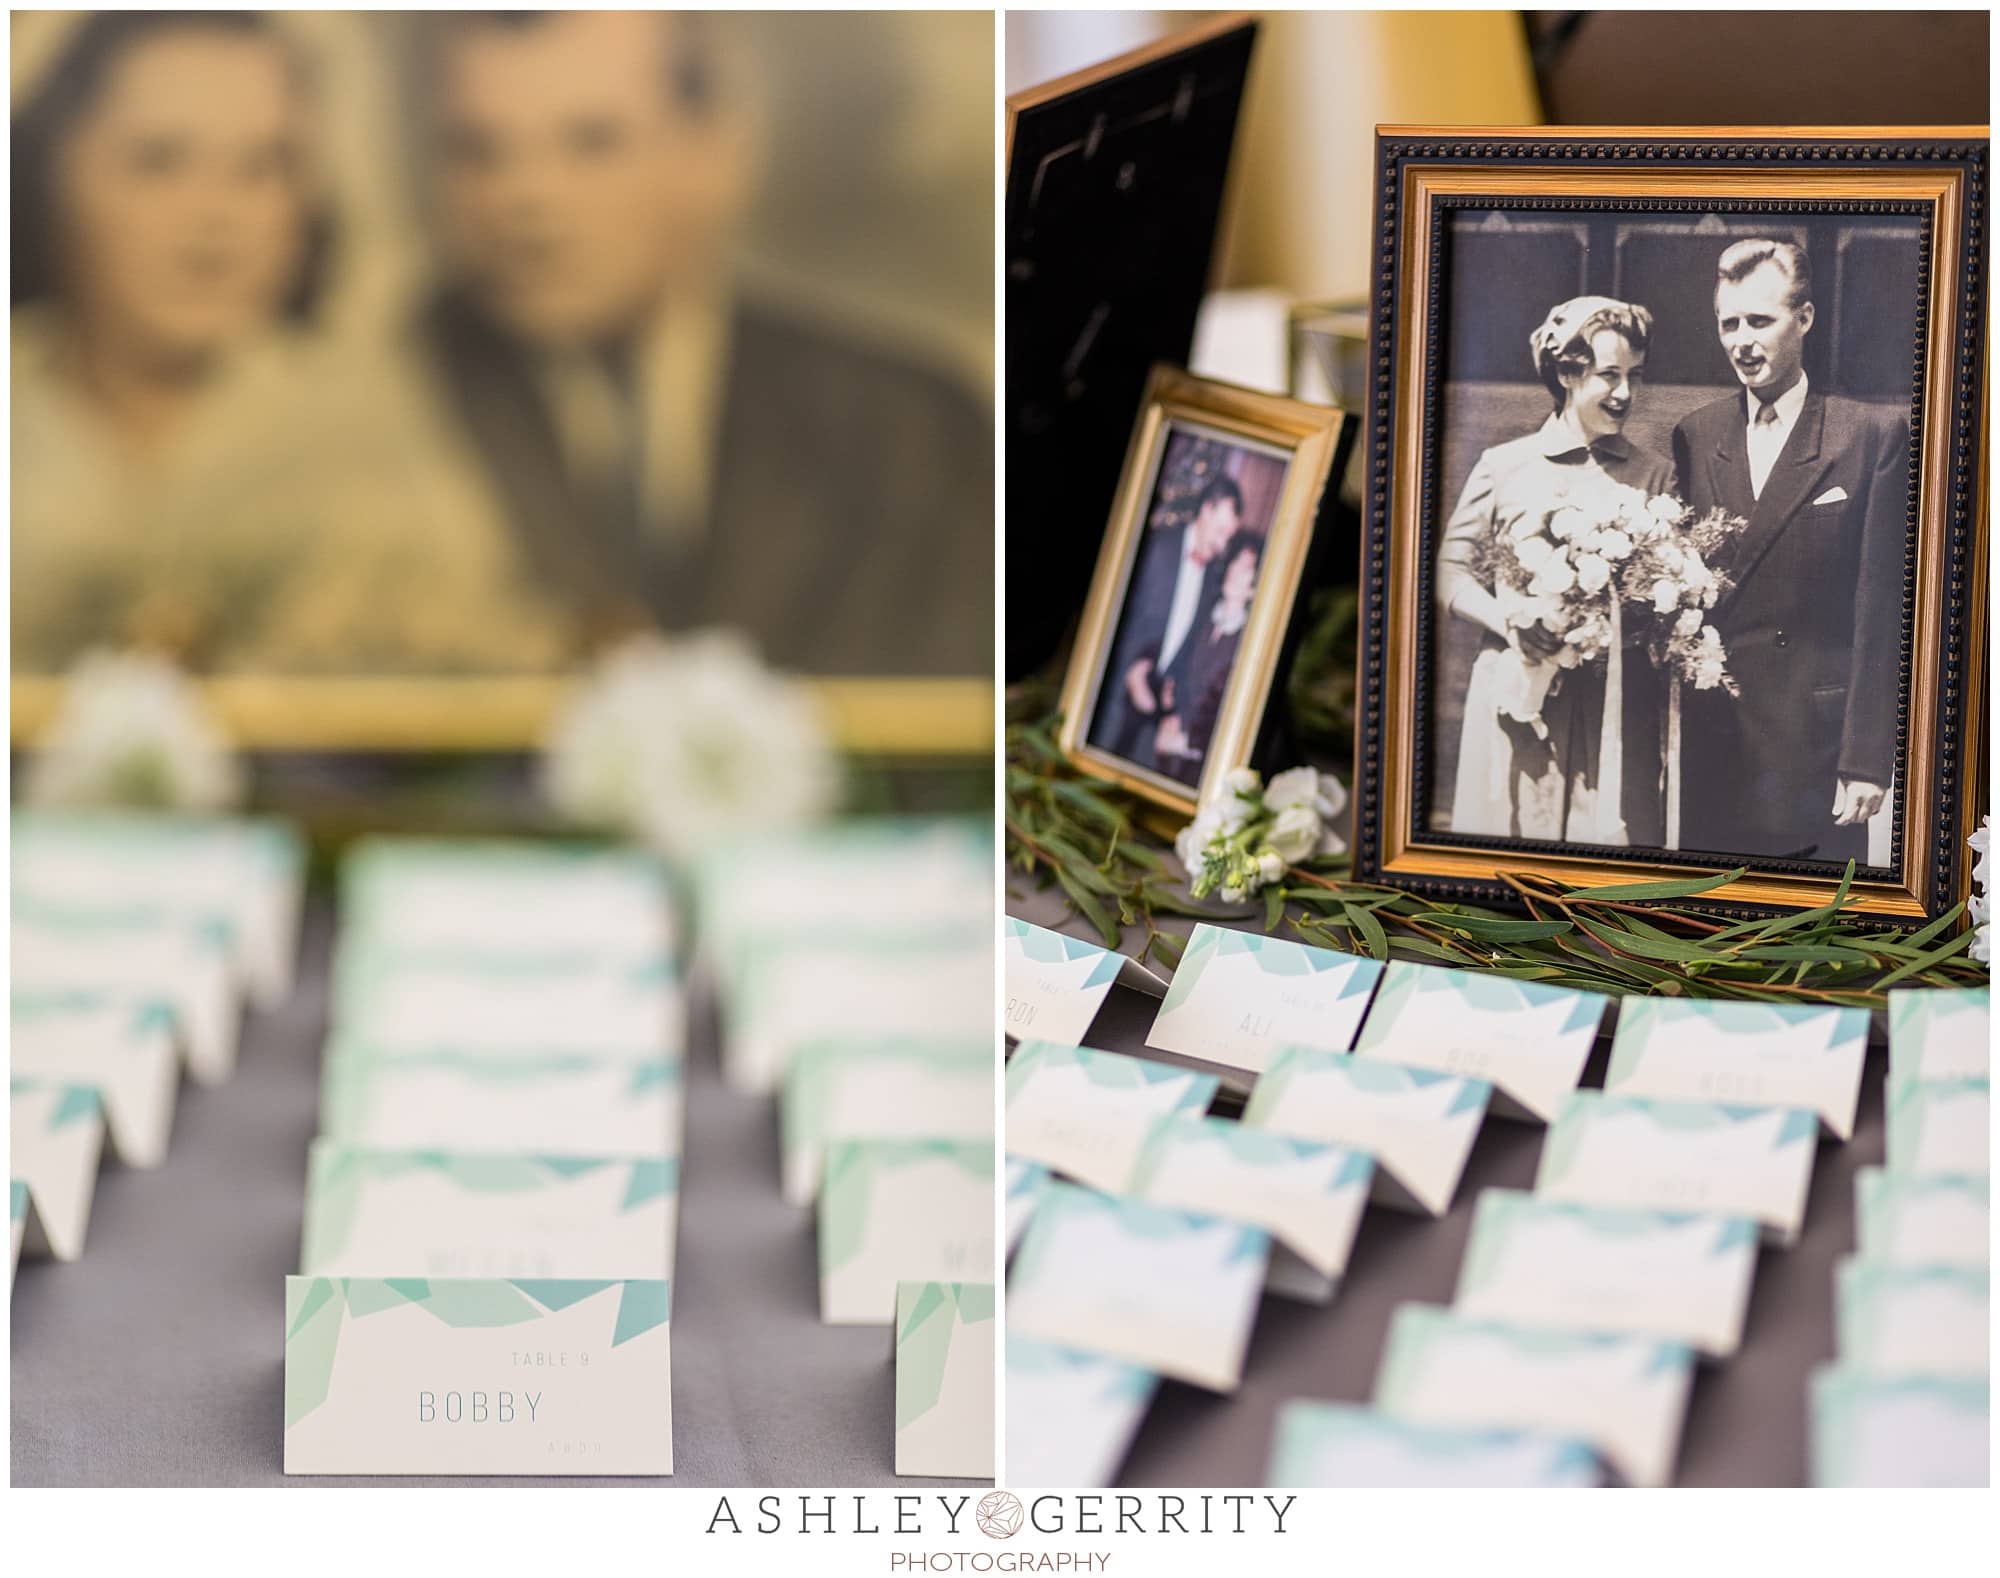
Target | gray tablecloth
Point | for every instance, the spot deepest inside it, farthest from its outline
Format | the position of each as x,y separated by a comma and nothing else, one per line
1746,1420
156,1359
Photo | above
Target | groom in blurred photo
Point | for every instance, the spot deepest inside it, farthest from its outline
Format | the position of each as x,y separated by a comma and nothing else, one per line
1797,764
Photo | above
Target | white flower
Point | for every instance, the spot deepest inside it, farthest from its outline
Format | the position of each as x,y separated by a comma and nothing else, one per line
1688,622
1614,545
1567,523
680,743
1294,786
1593,574
1230,895
1531,553
1270,866
1330,842
1295,834
1707,673
1665,508
1554,578
1666,596
1522,527
1193,840
1979,906
132,731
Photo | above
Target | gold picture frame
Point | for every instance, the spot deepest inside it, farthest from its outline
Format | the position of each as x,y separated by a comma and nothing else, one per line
1932,174
1306,438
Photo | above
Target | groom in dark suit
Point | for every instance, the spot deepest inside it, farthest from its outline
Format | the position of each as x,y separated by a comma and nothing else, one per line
1797,764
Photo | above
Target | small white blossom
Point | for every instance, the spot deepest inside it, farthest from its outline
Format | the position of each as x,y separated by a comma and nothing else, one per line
1270,865
1295,833
1614,545
1554,578
1980,906
1593,573
132,731
1688,622
1567,523
1666,596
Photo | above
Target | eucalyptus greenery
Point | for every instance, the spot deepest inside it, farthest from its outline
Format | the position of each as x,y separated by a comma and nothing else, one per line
1632,940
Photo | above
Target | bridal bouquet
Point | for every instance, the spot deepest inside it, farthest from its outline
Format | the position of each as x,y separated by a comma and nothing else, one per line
1606,561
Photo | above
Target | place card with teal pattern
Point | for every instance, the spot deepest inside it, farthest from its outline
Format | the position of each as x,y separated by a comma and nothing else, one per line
1418,1126
1624,1395
476,1214
944,1379
894,1211
1946,1220
1541,1262
1745,1054
1025,1182
1338,1446
1071,1416
1528,1040
56,1135
1055,984
121,1047
1086,1114
1307,1196
410,1375
1937,1034
1171,1291
21,1222
865,1088
460,1101
1939,1127
1908,1432
1911,1320
1753,1162
1239,997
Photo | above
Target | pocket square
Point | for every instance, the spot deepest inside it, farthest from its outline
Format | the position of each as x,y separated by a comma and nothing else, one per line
1831,496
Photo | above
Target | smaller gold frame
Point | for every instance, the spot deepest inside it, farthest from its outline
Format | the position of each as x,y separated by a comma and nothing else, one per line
1308,435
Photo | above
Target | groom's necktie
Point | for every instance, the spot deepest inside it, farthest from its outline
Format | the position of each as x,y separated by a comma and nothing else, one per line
1764,445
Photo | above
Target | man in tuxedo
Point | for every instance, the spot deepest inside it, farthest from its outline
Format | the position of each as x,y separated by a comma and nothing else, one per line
669,450
1797,764
1176,579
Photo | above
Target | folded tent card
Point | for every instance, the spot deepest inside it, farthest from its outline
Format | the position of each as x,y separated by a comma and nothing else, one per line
1913,1221
1940,1034
1418,1126
1071,1416
477,1376
1625,1395
1056,984
1540,1262
1742,1054
1753,1162
1915,1432
1026,1181
871,1088
1307,1196
56,1140
121,1047
1939,1127
894,1211
1338,1446
464,1214
1912,1320
1529,1041
944,1379
1086,1114
1237,998
1172,1291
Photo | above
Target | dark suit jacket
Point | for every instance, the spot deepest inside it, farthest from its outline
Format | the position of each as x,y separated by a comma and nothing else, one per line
1812,626
1117,726
851,517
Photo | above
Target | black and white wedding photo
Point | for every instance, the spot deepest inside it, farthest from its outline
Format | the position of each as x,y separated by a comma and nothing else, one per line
1671,528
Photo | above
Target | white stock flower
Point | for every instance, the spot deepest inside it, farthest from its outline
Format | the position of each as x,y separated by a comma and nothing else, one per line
1270,866
1531,553
1707,673
1666,596
1191,843
1554,578
131,731
1614,545
1688,622
679,743
1295,834
1980,906
1665,508
1566,523
1294,786
1593,574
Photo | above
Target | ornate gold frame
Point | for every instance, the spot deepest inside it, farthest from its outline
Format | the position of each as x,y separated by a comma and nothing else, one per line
1310,433
902,718
1449,167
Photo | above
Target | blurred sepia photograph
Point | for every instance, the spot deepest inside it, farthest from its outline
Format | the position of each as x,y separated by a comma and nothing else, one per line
464,343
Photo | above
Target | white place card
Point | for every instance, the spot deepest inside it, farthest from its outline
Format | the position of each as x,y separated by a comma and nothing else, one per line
944,1379
1529,1041
1912,1320
122,1049
1025,1182
57,1139
1307,1196
1939,1127
373,1213
1539,1262
1940,1034
870,1089
21,1224
414,1376
547,1106
1682,1156
894,1211
1742,1054
1086,1114
1910,1432
1055,984
1337,1446
1172,1291
1419,1127
1071,1416
1238,997
1624,1395
1906,1221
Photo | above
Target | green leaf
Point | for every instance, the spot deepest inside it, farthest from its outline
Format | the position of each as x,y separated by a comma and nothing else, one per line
1090,906
1364,921
1493,929
1680,888
1274,907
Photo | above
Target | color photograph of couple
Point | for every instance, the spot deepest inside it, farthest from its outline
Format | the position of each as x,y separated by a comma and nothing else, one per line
1669,594
1193,579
